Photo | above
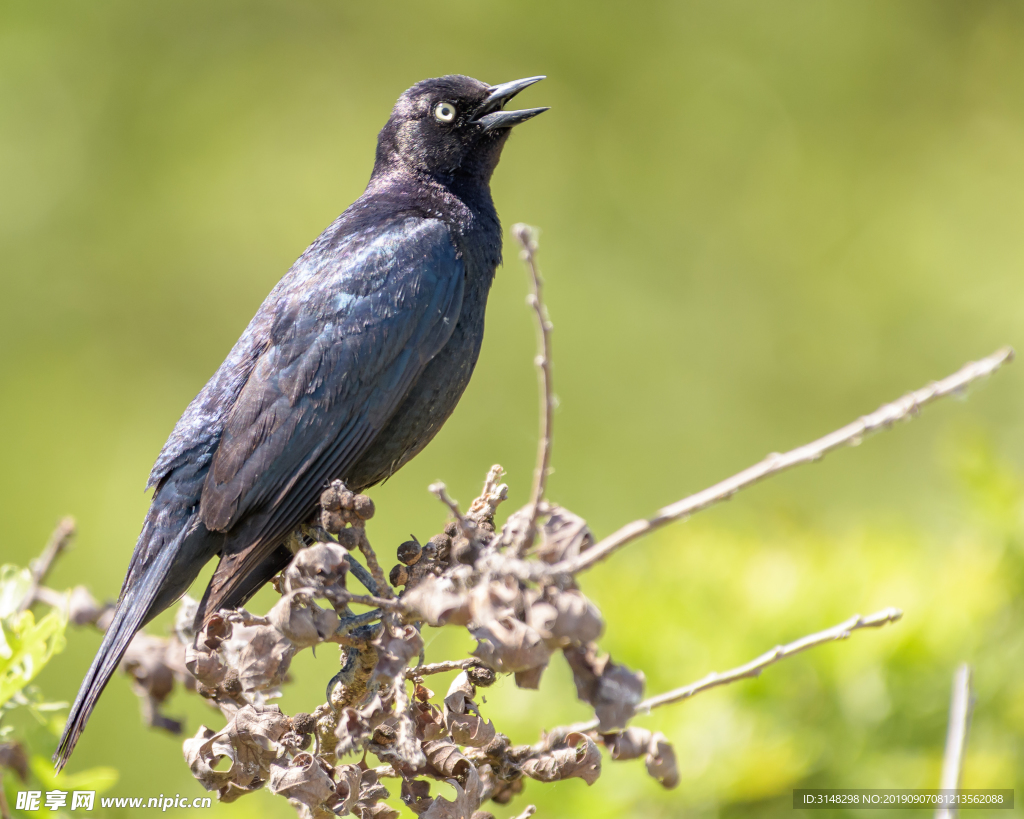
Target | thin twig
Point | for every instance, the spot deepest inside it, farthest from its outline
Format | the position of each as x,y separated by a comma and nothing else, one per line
437,668
376,572
468,525
756,666
851,434
370,600
528,811
956,735
5,810
527,238
58,542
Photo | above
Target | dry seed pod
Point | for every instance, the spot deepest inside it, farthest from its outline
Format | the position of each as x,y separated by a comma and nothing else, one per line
363,507
399,575
409,552
481,675
349,538
385,734
303,723
330,499
333,522
232,686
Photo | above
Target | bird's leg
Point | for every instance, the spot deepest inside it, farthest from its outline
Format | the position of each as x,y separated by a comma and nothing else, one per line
384,590
349,624
352,683
364,577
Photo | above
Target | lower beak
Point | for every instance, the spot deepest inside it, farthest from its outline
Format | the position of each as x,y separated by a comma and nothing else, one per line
490,115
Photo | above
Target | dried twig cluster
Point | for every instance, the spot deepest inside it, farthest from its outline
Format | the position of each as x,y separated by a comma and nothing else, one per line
514,588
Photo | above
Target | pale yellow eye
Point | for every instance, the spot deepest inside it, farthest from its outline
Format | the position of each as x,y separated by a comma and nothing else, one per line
444,112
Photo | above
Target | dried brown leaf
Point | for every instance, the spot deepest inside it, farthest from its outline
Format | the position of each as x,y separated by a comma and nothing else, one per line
14,758
495,599
371,791
347,788
564,617
530,678
146,662
471,731
467,800
302,621
203,755
379,811
320,567
205,665
83,609
416,795
508,644
661,761
437,601
580,758
629,744
444,756
563,535
407,745
428,721
500,790
395,649
254,732
612,689
355,724
462,716
232,791
302,781
264,660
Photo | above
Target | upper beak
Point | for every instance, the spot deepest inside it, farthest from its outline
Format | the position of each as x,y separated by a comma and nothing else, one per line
490,115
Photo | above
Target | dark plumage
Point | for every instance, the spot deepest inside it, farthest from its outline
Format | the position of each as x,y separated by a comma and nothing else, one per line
349,368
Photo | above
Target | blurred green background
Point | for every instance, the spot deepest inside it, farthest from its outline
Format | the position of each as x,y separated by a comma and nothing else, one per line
759,221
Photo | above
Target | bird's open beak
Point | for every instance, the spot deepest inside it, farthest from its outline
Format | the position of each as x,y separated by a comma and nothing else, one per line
490,115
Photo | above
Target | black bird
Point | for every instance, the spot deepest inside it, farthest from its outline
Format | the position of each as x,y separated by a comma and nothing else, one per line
349,368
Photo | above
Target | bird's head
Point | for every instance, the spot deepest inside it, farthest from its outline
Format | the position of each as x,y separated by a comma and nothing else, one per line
451,125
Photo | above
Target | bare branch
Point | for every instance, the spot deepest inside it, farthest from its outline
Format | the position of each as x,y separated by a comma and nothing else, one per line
960,707
5,810
376,572
852,434
58,542
527,238
756,666
468,525
370,600
438,668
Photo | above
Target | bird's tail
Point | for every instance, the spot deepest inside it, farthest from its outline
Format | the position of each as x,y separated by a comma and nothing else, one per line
131,613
